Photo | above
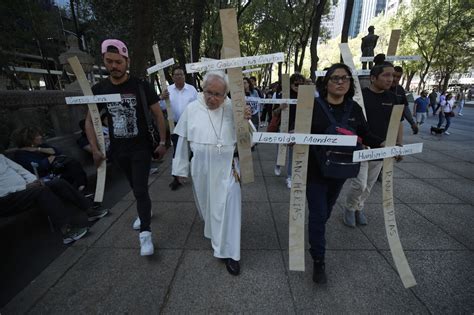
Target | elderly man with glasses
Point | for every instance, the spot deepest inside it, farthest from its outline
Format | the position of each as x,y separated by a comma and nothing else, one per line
206,131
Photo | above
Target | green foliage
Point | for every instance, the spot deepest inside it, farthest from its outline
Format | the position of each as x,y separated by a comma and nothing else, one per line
441,32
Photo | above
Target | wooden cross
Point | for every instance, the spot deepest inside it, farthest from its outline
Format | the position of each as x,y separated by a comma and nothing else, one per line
234,63
97,123
388,153
231,49
159,66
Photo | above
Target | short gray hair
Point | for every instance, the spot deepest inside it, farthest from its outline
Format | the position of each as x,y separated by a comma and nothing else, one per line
219,75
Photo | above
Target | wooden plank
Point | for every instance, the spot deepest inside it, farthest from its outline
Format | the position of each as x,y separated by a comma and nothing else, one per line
393,42
304,114
349,61
164,87
303,138
285,117
95,116
231,49
386,152
391,229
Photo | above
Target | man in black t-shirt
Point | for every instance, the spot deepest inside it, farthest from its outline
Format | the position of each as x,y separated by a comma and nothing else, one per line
379,102
130,143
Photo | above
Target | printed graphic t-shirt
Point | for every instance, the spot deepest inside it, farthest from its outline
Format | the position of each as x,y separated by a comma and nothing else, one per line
128,129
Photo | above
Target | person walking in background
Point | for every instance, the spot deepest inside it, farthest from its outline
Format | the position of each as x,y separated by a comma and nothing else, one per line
434,100
446,112
420,108
180,95
461,98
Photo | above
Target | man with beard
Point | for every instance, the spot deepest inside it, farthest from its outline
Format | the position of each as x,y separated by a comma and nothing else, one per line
130,142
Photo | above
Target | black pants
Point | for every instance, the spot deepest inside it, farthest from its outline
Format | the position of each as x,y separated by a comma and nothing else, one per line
174,140
266,110
54,198
74,173
136,166
322,194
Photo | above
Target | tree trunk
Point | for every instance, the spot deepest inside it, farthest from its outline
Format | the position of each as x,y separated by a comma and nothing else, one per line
142,39
297,51
199,11
315,37
410,76
347,21
279,70
446,81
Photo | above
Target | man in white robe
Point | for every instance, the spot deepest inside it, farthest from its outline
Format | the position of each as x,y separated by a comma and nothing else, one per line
206,128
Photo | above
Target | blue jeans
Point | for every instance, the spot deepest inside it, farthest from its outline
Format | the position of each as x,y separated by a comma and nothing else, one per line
441,117
322,194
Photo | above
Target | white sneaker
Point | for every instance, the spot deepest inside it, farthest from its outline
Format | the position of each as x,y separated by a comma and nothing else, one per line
460,114
137,223
288,183
446,133
146,244
277,170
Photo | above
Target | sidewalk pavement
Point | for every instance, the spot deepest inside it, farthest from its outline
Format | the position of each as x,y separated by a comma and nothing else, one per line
434,197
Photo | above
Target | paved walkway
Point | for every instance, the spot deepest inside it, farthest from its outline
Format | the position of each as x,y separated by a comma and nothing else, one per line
103,273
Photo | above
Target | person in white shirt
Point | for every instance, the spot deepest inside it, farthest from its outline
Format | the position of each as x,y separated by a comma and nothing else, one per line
180,95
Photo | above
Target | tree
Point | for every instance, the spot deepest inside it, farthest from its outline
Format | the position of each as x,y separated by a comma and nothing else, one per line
433,26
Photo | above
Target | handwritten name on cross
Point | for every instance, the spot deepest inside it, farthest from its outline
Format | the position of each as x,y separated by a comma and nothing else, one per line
96,122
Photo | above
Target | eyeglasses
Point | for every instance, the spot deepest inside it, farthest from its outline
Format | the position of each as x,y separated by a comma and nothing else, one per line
336,78
219,95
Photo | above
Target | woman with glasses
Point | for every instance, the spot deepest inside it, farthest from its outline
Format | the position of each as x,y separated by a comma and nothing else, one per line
333,108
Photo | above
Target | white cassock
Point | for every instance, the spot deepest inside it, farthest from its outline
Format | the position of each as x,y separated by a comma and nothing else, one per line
211,138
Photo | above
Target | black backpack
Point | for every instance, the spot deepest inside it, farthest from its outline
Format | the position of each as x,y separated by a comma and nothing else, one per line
336,161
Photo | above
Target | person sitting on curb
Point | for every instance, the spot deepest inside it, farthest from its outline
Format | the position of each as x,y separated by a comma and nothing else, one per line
51,162
20,190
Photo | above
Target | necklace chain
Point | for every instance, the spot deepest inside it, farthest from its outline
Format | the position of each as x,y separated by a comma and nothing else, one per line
218,145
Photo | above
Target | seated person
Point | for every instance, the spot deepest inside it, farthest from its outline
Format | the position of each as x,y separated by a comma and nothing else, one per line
49,161
19,190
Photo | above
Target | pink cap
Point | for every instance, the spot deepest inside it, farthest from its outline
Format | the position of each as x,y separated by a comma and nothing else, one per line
122,48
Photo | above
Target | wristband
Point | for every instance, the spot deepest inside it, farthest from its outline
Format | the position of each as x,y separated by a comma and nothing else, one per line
162,142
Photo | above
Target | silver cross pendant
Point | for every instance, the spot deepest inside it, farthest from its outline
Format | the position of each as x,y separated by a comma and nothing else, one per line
219,147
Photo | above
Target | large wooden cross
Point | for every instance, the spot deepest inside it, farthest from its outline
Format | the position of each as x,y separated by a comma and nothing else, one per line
234,63
158,67
96,121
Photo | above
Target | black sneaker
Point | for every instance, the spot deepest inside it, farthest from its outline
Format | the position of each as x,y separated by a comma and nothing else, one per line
96,214
319,271
71,234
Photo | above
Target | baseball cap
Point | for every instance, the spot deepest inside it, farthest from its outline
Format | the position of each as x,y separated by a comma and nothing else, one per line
121,47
